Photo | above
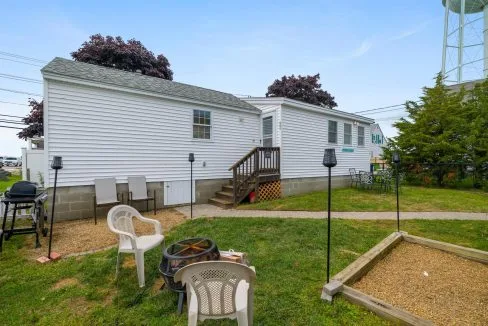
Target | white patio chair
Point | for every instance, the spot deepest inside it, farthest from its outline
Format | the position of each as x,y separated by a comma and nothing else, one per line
138,192
218,289
119,221
105,194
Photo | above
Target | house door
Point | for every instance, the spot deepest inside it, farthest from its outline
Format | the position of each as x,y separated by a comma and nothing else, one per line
267,131
178,192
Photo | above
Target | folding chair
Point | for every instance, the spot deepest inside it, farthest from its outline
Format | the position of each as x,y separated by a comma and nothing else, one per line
138,192
105,194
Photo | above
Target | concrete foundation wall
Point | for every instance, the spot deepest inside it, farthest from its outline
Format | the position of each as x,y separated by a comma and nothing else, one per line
297,186
206,189
76,202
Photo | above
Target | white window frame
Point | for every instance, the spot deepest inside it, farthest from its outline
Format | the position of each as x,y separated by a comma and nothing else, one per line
336,131
273,125
363,136
349,134
193,124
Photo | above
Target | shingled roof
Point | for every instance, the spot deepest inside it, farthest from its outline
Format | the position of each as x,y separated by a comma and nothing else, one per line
116,77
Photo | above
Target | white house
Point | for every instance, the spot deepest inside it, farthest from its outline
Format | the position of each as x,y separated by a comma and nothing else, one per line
303,131
33,161
378,142
111,123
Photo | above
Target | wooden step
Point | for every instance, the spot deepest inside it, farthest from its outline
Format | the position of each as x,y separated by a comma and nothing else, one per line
228,188
225,204
229,196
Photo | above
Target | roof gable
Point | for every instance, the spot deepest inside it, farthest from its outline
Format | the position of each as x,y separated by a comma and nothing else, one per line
116,77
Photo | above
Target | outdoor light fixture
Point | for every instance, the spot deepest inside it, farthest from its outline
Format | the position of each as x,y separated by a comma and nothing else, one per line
191,159
396,157
396,160
329,161
56,165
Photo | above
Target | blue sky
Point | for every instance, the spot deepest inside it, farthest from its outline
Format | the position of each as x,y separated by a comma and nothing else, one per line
369,53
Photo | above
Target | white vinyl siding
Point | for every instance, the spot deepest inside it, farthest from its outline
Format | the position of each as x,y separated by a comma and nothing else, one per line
304,136
332,132
347,134
108,133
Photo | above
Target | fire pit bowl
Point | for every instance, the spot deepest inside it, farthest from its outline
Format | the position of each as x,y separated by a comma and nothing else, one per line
182,253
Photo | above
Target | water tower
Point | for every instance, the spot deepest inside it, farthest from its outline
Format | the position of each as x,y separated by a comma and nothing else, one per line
465,46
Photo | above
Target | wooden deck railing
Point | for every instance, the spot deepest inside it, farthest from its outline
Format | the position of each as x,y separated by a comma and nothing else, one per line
260,164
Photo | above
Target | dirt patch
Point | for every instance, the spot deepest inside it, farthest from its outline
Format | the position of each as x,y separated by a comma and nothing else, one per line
79,306
70,237
156,288
129,262
109,298
432,284
65,282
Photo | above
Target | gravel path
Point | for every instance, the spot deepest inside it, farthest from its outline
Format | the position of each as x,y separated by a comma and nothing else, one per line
206,210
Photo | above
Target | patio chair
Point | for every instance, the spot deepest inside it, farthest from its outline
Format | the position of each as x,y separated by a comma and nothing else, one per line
218,289
386,180
138,192
105,194
119,221
354,176
366,179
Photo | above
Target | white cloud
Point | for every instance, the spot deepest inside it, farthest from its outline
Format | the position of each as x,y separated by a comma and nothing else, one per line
365,46
362,49
409,32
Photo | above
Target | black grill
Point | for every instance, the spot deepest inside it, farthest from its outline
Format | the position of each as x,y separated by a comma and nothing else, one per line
22,189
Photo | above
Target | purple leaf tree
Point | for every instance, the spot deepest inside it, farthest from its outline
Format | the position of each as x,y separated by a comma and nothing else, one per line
302,88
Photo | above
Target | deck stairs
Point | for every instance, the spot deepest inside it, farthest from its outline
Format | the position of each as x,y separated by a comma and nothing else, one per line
260,165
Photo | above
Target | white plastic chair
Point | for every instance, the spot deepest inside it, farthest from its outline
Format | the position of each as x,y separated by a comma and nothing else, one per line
218,289
119,221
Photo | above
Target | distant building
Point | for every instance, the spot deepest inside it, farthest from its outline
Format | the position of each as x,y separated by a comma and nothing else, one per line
378,141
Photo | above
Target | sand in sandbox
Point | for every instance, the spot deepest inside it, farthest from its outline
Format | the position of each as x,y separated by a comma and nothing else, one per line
432,284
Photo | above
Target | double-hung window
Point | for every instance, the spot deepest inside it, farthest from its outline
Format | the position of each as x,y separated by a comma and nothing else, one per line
360,136
332,132
201,124
347,134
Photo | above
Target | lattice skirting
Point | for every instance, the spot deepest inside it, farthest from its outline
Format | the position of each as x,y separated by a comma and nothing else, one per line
270,190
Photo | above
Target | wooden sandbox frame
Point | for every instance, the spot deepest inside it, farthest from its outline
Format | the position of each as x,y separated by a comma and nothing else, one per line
342,281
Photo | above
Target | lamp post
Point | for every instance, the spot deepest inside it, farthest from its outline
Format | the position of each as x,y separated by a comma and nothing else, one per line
396,160
56,164
191,159
329,161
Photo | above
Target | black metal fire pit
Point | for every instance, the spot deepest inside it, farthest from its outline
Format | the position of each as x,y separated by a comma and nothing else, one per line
183,253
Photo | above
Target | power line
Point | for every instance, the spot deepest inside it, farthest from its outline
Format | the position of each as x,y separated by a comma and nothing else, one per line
12,122
26,63
385,107
18,56
388,118
11,116
14,103
389,110
19,92
20,78
11,127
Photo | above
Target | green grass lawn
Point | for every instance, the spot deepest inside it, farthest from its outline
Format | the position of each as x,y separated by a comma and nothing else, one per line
289,256
11,180
412,199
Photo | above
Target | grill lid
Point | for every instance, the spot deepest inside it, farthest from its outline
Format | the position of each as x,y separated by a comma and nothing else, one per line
22,189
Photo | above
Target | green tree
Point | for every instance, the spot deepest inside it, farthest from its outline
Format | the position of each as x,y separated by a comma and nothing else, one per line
432,134
475,140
